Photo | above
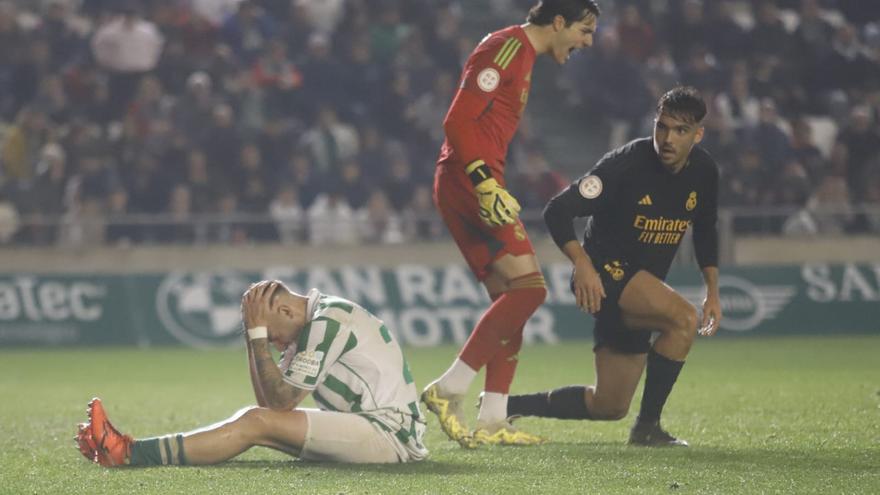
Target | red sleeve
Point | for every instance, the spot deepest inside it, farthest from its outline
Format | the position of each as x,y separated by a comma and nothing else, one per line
486,71
461,126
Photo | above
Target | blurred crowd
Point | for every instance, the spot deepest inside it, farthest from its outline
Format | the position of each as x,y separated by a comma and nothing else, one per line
793,88
319,121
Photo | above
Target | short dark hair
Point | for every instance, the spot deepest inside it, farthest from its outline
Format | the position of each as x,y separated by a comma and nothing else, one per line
280,289
543,13
684,102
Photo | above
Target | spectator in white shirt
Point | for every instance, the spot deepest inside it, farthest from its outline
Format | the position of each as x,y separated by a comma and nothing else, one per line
127,47
331,220
288,215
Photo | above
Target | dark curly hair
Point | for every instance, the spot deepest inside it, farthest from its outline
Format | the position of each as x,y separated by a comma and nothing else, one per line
572,11
684,102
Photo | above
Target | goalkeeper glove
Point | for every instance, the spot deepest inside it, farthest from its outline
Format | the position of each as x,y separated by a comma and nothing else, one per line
497,206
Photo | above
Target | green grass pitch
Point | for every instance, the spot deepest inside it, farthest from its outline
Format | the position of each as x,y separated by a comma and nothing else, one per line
776,415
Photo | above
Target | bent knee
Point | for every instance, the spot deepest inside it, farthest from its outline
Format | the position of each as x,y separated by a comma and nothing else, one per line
609,410
531,290
255,418
612,413
685,321
540,294
533,282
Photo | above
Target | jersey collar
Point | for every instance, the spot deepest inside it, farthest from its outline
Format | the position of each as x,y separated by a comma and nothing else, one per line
313,297
520,33
663,168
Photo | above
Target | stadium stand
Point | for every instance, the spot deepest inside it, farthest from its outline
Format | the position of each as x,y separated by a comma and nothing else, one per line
234,121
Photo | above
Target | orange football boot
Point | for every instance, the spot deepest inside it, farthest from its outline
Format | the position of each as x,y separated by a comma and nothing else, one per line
111,448
85,442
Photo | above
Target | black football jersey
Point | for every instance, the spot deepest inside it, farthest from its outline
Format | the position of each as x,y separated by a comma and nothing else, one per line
640,211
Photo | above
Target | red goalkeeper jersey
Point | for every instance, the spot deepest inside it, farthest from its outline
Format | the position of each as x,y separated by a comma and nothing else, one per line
487,108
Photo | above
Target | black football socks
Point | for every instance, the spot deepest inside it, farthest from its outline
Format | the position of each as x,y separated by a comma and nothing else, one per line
661,375
562,403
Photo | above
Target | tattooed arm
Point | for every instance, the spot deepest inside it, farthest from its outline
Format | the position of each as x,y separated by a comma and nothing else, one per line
277,394
270,389
252,367
255,379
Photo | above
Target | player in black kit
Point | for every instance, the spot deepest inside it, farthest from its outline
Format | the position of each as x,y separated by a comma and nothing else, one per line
640,198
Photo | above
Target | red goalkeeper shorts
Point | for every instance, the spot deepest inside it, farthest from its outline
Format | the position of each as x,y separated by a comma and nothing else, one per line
479,243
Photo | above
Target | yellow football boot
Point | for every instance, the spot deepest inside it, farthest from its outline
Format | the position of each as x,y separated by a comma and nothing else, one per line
503,433
448,411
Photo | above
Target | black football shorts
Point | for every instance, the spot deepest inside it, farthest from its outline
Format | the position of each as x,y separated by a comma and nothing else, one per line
609,329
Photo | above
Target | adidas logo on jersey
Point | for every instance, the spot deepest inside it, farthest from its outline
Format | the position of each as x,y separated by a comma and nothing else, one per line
646,201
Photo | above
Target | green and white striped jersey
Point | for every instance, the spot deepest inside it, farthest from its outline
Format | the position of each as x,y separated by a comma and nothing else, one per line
352,363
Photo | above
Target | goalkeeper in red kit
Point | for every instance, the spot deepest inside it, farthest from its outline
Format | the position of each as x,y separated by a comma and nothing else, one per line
482,216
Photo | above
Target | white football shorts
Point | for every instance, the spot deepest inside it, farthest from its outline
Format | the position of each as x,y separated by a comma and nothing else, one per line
345,437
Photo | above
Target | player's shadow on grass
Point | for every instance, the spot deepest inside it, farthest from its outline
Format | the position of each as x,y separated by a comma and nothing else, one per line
430,466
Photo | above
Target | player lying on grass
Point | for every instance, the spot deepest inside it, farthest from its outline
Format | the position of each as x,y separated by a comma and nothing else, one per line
332,348
641,198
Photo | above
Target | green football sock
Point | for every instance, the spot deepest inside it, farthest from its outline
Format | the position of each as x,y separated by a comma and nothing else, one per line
158,451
